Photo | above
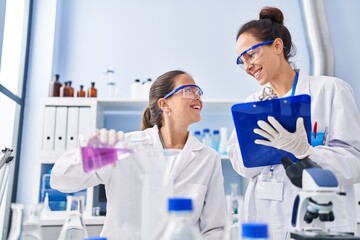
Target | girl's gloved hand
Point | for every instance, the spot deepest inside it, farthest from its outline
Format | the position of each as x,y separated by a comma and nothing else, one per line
278,137
104,138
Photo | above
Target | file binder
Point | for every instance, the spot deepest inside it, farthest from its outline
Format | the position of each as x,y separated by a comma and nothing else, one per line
285,110
48,138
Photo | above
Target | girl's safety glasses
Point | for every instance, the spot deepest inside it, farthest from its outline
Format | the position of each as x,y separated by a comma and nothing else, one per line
251,54
191,91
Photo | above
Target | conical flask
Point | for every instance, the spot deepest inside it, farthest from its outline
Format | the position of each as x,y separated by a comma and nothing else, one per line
25,224
74,227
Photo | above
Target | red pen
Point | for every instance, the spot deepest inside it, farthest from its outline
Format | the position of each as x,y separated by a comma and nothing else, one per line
315,129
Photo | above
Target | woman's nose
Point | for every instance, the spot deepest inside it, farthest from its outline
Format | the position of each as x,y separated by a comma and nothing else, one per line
248,66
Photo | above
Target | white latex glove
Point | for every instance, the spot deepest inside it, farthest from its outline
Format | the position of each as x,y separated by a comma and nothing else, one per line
278,137
104,138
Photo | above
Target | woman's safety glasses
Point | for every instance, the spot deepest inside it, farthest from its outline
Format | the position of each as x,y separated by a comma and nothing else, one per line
250,55
191,91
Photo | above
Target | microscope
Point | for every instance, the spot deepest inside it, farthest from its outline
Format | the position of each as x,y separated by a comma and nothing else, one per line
314,205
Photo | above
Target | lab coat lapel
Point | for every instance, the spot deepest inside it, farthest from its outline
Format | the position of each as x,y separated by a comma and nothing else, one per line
186,156
303,84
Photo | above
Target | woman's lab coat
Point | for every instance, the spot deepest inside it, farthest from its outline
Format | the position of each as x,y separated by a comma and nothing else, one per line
332,102
136,192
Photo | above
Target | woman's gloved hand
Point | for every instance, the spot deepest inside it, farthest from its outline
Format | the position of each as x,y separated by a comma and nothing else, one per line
104,138
278,137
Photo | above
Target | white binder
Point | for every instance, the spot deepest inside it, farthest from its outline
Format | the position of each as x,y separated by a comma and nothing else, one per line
60,128
49,129
72,128
84,121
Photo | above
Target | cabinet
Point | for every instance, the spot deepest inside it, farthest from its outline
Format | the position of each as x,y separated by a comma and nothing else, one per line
63,119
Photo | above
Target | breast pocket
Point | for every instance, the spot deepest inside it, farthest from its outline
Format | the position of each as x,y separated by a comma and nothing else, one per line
197,193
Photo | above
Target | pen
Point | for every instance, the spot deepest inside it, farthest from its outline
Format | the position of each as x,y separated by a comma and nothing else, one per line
325,135
315,129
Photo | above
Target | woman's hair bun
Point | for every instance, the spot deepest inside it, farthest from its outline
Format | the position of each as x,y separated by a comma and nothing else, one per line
273,14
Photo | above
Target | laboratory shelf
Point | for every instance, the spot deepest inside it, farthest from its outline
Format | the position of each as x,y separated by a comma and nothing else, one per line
57,218
57,134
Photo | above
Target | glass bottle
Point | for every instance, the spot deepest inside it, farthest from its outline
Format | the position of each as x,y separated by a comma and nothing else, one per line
71,89
81,92
92,92
25,224
64,90
54,87
74,227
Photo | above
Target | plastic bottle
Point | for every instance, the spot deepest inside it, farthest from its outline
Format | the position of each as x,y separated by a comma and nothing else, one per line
223,141
254,231
54,87
179,225
92,92
206,138
197,134
216,140
112,91
81,92
136,89
146,88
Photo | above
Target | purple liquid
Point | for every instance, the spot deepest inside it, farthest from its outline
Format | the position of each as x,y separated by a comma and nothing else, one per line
94,158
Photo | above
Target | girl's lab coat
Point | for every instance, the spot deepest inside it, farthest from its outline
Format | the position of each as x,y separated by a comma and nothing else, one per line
136,192
332,102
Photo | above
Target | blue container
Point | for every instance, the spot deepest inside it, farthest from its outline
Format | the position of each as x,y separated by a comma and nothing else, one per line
318,140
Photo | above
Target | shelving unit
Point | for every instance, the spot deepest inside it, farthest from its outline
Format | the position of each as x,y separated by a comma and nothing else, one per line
60,115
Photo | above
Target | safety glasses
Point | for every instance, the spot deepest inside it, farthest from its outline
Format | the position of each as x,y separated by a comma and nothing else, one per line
252,54
191,91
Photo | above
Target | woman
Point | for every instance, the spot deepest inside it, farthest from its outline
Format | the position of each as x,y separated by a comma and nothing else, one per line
135,185
264,47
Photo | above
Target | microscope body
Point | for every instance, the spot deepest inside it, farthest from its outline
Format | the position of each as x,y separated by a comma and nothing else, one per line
315,201
317,204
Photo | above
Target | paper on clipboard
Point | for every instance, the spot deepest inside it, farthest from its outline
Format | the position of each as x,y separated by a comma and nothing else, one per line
285,110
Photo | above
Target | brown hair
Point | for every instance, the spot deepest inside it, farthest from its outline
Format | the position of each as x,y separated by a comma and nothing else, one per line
270,26
162,85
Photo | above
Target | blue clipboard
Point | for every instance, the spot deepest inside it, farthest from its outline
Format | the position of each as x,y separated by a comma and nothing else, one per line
285,110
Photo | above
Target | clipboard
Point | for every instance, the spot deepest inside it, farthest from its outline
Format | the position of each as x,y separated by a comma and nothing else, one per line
285,110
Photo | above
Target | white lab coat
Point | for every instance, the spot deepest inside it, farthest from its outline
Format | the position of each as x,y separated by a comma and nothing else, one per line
136,194
332,102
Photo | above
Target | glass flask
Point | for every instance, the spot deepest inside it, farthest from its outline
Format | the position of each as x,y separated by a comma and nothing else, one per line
25,224
74,227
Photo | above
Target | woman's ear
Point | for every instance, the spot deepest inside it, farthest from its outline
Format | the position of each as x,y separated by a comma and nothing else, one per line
279,45
163,106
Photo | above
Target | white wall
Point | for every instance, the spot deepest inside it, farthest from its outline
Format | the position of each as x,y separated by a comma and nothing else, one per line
141,40
345,38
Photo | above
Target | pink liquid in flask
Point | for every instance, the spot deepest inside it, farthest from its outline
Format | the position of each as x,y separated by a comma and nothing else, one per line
94,158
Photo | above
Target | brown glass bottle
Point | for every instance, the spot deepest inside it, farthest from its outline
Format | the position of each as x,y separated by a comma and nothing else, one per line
54,87
92,92
64,90
81,92
71,90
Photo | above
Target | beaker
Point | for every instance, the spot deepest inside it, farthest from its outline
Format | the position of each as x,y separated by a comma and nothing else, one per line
25,224
74,227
